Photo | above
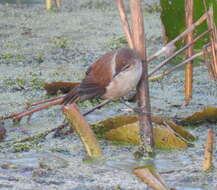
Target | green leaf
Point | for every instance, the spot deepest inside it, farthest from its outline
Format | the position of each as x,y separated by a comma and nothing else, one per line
173,19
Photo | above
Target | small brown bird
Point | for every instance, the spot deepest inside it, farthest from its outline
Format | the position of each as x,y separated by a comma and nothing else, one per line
112,76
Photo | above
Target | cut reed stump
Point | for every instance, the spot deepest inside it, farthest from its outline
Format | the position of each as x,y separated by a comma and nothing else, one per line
48,4
149,178
58,3
78,122
144,114
189,5
207,163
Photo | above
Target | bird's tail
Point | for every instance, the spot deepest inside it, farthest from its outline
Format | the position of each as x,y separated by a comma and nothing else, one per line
71,97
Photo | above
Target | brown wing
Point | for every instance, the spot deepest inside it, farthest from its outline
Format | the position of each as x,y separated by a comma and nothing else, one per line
97,78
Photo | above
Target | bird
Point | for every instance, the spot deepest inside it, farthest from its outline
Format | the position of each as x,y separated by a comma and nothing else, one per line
110,77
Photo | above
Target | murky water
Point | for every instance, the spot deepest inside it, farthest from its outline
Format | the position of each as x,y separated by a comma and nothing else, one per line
39,46
18,2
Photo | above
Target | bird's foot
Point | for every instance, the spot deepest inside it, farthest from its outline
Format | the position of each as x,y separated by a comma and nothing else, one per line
126,104
138,110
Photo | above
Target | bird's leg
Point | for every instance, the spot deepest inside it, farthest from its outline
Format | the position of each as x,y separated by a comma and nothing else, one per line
123,101
136,109
96,107
58,131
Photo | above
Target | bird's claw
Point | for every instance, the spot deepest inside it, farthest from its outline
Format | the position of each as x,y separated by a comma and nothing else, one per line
140,110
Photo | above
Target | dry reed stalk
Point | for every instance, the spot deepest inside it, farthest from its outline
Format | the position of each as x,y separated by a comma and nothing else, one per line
172,43
58,3
148,178
45,101
206,50
98,106
184,62
207,163
51,102
125,23
48,4
158,176
208,61
78,122
29,112
166,72
177,52
189,5
144,115
213,39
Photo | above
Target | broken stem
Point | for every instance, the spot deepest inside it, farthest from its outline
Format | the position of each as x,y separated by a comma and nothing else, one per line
46,101
29,112
83,130
213,39
171,43
58,3
208,60
189,4
148,178
48,4
166,72
181,64
124,21
177,52
207,163
96,107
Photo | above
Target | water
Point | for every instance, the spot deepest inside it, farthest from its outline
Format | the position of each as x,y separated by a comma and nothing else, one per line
27,36
20,1
188,188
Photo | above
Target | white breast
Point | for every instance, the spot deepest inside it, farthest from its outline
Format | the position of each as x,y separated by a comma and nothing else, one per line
124,82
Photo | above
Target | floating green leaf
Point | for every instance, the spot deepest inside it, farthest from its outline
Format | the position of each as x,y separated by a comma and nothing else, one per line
163,137
124,128
208,114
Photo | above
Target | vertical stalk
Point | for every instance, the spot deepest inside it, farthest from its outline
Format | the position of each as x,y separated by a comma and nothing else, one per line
58,3
208,61
189,4
208,154
124,20
146,131
48,4
213,38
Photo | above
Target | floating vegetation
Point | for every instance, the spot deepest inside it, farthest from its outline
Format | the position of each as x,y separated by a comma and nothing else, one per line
60,42
125,128
117,42
8,58
208,114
